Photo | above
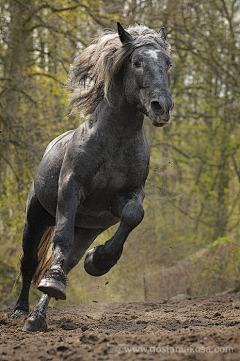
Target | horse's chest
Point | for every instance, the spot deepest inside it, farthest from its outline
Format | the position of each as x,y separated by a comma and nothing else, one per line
119,174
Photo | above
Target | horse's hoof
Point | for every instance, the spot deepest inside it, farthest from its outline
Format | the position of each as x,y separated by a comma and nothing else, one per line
33,324
90,267
52,288
18,313
53,284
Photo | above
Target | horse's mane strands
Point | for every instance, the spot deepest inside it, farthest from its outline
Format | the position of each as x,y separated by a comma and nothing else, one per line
92,71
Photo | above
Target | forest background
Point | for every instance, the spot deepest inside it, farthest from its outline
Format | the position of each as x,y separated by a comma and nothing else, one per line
189,240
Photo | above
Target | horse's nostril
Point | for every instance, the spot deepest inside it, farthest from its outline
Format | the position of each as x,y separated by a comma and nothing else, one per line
156,107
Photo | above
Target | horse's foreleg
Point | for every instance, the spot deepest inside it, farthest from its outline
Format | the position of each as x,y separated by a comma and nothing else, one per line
83,238
101,259
53,282
36,223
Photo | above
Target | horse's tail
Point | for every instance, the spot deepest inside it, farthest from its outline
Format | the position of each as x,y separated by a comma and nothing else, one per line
45,256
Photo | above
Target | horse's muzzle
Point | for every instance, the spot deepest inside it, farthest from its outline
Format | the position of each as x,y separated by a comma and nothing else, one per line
160,111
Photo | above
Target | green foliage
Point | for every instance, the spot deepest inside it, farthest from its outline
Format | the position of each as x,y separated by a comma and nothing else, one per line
6,284
219,268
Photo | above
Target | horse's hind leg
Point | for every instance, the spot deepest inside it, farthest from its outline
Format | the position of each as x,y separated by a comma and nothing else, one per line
101,259
83,238
36,222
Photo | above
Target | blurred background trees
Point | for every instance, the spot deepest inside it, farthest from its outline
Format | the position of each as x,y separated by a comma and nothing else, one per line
192,193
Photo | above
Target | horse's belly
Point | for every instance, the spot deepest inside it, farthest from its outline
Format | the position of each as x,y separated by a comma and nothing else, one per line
95,220
94,213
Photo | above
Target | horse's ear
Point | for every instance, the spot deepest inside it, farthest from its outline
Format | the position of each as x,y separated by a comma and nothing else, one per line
163,34
124,36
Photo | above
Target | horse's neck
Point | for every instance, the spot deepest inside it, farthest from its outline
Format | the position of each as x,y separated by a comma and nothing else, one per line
117,115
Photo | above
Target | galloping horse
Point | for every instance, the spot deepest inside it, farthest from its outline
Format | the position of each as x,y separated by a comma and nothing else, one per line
93,177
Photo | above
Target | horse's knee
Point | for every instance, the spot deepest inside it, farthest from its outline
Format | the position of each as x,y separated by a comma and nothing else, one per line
132,214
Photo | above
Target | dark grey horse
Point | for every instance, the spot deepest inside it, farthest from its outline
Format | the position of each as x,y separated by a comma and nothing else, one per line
93,177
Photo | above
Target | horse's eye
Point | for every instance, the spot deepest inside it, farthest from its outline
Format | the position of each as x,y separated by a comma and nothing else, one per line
137,64
169,66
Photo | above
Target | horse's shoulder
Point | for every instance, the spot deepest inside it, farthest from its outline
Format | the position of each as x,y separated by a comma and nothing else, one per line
58,139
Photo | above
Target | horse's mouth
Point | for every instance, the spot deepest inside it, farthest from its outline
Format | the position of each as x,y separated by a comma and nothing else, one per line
160,123
157,122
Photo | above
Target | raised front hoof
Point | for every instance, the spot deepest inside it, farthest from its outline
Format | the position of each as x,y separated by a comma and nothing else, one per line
34,324
18,313
53,288
90,267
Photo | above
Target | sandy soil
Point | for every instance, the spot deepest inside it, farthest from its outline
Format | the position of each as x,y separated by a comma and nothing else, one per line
206,328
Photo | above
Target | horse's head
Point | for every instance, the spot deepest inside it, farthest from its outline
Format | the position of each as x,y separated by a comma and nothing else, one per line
146,80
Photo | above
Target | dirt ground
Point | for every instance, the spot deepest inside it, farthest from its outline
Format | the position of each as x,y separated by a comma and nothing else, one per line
205,328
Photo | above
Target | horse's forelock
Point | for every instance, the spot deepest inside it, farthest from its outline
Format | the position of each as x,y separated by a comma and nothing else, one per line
93,70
